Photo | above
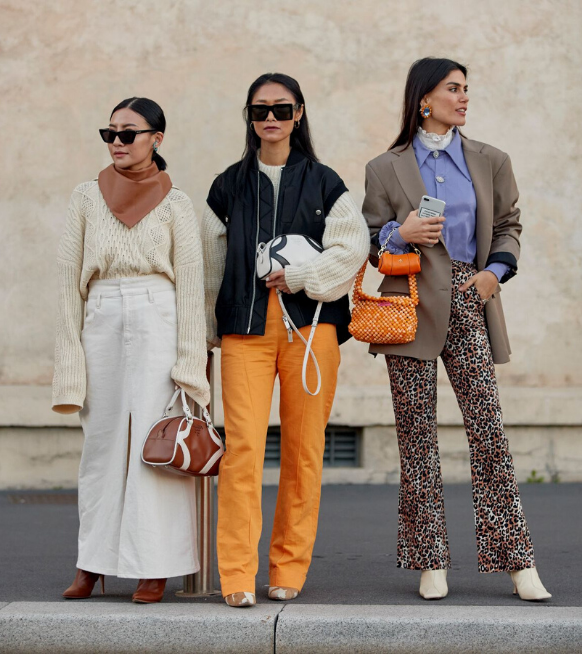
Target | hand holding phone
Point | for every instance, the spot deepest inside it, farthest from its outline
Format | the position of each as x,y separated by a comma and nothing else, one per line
431,208
424,226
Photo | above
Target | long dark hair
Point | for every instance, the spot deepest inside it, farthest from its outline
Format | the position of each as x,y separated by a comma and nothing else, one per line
424,75
154,117
300,137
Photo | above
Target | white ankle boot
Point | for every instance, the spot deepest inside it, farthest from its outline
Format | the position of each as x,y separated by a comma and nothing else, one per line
433,584
528,585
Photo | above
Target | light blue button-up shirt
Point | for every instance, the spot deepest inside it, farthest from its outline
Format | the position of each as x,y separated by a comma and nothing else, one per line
446,177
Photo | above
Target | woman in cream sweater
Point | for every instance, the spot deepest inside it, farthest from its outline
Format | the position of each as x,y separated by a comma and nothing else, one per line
130,326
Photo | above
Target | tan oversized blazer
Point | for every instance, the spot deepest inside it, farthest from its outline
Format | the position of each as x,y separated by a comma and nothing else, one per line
394,188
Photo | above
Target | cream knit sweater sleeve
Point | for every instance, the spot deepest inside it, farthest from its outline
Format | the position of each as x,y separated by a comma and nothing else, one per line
190,369
346,244
70,378
214,245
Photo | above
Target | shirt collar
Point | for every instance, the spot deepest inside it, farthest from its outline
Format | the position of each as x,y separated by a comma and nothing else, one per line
420,151
454,150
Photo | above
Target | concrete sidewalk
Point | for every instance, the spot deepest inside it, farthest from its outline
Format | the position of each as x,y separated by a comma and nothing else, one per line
355,598
51,628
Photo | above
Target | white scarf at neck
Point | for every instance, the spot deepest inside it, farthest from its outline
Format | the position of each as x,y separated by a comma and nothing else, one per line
435,141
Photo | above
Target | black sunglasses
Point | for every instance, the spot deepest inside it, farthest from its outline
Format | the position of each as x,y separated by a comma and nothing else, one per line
259,112
126,136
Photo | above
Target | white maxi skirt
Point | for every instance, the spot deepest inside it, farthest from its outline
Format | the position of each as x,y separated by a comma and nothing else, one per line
136,521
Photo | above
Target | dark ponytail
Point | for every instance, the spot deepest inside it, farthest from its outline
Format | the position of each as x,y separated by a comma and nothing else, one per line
159,161
300,137
424,75
154,116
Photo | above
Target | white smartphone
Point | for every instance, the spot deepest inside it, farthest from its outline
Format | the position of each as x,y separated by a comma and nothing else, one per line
431,207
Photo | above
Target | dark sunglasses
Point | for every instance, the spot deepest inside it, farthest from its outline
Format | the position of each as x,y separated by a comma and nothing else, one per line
259,112
126,136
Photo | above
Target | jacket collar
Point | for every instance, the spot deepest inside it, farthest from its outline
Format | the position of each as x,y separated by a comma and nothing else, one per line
408,174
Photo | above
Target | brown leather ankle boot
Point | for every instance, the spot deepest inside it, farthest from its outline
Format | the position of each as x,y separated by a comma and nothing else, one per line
149,591
83,585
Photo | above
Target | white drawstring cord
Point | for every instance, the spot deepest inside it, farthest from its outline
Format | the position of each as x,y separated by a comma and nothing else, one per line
289,324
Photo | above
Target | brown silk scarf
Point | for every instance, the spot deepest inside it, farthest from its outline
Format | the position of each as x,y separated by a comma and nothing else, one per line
131,195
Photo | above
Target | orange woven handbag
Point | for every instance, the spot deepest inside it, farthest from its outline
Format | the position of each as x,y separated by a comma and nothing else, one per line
387,320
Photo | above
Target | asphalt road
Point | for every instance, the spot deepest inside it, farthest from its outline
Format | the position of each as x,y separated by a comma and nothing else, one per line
354,558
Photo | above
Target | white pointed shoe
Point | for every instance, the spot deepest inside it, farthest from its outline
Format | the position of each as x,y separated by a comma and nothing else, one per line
528,585
241,600
433,584
282,593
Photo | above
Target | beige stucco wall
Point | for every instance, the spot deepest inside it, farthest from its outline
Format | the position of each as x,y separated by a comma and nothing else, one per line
65,64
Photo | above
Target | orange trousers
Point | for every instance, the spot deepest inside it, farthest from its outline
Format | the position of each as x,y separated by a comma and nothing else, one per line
249,367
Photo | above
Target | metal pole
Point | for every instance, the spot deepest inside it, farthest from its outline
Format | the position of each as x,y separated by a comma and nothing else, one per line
202,583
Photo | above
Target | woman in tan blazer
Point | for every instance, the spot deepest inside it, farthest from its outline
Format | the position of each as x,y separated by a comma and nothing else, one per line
465,255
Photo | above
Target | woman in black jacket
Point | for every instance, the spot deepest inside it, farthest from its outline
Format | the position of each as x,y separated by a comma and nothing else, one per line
278,187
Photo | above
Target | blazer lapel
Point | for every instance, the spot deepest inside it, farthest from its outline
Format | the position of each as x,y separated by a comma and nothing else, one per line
480,170
409,176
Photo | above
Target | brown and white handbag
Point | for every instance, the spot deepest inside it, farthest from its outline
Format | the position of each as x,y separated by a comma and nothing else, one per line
184,445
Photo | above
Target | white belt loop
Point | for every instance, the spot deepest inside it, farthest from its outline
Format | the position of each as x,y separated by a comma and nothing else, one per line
99,300
150,295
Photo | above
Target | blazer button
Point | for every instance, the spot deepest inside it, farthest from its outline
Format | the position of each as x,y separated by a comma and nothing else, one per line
318,212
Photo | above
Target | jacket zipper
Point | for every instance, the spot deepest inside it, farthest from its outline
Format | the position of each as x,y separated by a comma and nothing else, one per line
285,320
275,213
255,254
257,234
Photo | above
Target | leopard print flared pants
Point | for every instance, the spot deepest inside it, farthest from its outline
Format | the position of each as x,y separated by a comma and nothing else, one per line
503,539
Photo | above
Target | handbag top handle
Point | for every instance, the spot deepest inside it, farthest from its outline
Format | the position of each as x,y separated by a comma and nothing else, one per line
359,294
186,409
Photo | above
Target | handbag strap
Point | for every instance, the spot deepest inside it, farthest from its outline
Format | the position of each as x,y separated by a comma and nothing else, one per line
383,248
290,325
358,294
186,409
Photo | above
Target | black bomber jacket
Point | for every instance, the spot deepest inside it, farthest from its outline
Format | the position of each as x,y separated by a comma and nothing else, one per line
307,192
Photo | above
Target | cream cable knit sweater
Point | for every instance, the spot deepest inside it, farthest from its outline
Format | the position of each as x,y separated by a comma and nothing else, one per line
96,244
346,245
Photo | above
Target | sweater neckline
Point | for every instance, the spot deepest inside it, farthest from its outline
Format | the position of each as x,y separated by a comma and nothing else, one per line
269,169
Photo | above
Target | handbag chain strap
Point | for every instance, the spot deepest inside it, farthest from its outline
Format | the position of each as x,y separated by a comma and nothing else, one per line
383,248
290,326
